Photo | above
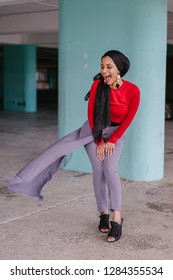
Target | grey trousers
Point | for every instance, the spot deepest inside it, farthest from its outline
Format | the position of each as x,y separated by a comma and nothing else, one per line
106,179
36,173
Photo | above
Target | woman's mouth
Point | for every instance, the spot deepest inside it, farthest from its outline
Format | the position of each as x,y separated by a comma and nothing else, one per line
107,78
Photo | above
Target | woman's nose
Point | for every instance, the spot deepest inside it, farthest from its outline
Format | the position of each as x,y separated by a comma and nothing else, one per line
104,71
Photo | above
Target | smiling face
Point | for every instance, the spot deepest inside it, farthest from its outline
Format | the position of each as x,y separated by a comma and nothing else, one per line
109,71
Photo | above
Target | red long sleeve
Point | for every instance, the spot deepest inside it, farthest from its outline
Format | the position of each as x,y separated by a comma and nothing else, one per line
124,103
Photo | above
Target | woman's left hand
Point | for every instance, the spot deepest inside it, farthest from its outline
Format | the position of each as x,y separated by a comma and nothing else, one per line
109,148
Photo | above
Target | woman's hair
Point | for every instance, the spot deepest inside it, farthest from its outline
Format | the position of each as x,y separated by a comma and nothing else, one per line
120,60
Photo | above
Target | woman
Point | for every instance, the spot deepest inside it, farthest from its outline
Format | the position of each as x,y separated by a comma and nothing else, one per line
112,105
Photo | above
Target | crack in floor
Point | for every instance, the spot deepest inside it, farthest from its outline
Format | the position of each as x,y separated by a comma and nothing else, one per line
44,209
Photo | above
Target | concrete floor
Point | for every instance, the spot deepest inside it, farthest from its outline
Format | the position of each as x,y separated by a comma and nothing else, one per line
64,227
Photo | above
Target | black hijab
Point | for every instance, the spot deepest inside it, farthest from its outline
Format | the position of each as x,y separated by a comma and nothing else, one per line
102,100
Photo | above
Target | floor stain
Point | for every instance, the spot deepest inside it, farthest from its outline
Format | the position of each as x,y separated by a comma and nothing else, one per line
4,191
160,206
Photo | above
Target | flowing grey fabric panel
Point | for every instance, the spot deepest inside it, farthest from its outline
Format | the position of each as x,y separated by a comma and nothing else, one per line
37,172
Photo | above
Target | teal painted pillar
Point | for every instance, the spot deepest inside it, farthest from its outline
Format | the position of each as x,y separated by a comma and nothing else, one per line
84,35
143,156
134,31
20,78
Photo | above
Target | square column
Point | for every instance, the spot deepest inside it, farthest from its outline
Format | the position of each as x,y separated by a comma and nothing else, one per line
19,77
139,30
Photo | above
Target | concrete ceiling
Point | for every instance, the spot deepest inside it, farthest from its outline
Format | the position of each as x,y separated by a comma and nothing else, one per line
36,21
8,7
29,21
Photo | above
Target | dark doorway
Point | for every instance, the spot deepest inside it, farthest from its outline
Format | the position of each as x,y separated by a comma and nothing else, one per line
47,78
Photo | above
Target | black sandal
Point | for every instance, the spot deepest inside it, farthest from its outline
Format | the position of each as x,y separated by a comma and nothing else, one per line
104,223
115,231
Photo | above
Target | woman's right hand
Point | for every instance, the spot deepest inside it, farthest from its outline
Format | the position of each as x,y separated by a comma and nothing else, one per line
100,151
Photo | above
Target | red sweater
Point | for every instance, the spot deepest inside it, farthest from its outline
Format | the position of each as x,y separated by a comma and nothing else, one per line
124,103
